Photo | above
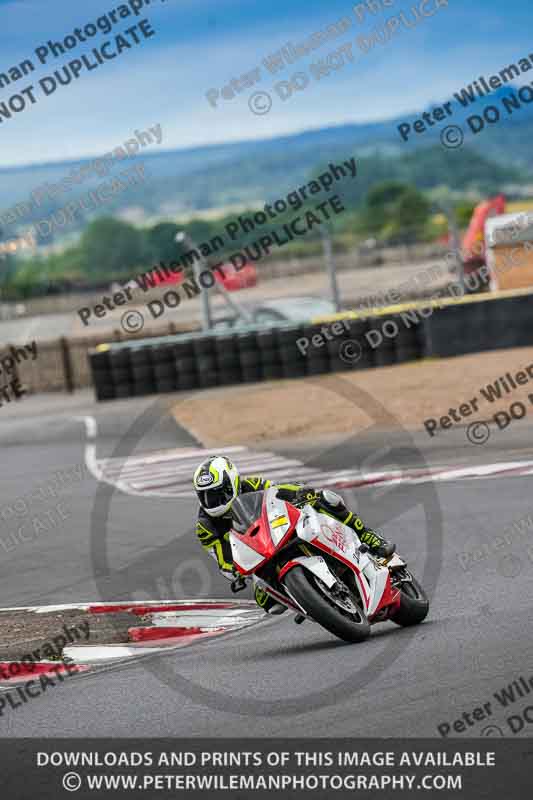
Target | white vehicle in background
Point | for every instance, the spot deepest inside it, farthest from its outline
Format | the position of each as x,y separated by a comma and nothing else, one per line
280,311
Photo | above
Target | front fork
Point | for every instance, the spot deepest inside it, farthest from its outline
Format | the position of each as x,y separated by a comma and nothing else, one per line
239,583
291,604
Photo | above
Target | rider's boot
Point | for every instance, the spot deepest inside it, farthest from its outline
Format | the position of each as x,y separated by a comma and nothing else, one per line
267,603
377,545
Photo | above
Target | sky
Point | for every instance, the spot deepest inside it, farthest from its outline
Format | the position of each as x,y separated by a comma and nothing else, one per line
201,45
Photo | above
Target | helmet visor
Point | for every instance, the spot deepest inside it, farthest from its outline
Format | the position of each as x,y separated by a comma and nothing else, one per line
218,495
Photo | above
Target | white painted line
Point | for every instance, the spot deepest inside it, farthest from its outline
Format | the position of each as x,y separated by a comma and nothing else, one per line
166,474
98,654
184,601
48,609
177,470
91,430
205,618
91,462
181,454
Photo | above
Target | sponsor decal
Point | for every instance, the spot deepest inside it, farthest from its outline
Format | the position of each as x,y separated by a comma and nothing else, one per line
336,536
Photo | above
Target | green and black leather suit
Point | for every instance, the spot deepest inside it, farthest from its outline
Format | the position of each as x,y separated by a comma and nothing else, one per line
213,532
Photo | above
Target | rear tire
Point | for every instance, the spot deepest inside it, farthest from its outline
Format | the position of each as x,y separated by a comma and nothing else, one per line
304,587
414,605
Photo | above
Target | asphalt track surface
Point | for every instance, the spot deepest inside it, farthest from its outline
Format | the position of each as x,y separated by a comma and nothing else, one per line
275,679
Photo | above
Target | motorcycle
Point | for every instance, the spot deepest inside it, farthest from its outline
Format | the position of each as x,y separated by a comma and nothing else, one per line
319,568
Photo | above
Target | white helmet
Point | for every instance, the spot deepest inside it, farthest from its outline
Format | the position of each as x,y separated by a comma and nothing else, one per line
216,482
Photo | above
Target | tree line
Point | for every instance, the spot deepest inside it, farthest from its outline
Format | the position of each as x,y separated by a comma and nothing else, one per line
111,249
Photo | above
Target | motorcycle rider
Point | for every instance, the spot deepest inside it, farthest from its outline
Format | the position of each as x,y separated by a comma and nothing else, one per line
217,483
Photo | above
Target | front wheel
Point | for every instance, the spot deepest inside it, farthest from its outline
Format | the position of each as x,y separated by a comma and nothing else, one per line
335,609
414,605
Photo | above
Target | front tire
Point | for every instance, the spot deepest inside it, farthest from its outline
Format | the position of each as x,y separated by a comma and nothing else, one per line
314,597
414,605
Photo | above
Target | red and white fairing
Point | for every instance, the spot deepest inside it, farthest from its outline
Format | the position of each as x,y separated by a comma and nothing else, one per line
338,540
280,521
252,549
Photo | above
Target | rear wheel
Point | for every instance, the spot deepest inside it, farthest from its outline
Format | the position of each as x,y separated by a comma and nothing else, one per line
414,605
336,609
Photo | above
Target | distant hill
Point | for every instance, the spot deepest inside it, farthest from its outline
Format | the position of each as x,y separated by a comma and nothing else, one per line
253,172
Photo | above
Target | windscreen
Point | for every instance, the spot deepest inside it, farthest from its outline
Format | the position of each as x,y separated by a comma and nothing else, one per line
246,509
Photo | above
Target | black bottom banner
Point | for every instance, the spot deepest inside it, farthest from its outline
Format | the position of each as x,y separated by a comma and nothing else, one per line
259,768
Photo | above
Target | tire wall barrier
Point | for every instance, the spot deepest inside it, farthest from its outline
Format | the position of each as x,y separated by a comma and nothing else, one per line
186,362
473,327
191,362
